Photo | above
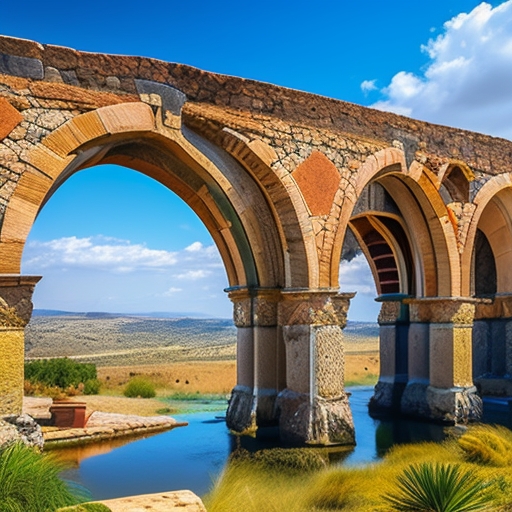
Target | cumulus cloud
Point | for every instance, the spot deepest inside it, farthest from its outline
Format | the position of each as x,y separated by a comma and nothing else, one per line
193,275
467,80
355,276
119,256
368,85
97,252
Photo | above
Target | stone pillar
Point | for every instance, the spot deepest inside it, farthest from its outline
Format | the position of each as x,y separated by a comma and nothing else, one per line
260,359
492,345
314,408
393,333
451,396
414,398
15,311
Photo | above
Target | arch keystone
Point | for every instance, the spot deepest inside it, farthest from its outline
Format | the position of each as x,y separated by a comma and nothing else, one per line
127,117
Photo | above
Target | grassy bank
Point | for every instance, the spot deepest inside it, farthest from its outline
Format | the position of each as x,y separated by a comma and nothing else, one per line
484,454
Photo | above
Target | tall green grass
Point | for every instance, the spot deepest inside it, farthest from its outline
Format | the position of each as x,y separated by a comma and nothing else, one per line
251,485
29,482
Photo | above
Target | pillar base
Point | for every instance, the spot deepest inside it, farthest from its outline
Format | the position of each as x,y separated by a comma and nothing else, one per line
386,397
319,421
414,399
454,405
241,413
494,386
249,409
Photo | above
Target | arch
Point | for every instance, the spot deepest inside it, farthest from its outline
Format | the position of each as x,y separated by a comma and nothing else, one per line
430,233
493,217
227,200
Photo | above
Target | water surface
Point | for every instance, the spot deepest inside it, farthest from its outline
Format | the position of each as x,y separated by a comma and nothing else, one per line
193,457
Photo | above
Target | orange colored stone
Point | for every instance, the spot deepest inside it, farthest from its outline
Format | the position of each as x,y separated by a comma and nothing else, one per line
318,180
9,118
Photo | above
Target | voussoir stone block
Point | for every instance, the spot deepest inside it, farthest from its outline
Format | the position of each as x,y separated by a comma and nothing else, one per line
9,118
127,117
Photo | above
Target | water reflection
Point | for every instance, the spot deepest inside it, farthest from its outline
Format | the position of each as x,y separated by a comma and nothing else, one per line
193,457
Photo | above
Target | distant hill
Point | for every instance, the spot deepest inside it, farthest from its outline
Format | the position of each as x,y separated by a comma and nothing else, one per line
115,339
102,314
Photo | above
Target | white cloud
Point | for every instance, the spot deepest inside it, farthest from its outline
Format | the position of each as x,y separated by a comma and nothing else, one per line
193,275
368,86
194,247
96,252
172,291
356,276
467,82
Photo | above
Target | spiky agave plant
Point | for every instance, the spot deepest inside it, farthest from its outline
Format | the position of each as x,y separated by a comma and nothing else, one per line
29,481
439,488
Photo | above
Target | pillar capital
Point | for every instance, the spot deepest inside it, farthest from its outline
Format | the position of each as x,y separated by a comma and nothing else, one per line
499,306
443,310
393,308
314,307
254,306
16,299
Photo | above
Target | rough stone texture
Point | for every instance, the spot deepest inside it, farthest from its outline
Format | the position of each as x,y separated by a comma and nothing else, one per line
11,370
457,405
317,422
241,413
21,428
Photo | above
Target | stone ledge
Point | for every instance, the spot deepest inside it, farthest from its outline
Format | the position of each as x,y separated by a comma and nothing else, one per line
183,501
102,426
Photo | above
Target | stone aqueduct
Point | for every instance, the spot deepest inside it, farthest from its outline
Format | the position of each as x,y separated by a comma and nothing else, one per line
286,182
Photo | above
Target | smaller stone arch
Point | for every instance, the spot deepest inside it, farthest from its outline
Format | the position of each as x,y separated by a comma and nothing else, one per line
455,177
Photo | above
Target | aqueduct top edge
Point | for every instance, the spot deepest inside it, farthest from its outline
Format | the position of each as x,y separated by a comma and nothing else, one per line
117,74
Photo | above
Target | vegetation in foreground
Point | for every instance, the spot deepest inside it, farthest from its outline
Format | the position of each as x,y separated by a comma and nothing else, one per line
473,472
29,482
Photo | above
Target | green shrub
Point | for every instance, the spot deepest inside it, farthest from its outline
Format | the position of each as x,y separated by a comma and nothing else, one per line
60,372
299,460
92,387
439,488
29,481
139,387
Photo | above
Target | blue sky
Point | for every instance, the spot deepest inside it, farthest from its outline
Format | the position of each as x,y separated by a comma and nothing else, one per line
448,62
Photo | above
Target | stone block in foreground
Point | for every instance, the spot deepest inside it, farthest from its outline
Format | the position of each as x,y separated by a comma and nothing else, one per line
182,501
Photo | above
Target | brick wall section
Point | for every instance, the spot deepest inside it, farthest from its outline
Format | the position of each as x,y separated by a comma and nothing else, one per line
116,74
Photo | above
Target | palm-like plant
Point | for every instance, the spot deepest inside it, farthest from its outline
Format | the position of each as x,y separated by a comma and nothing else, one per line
439,488
29,481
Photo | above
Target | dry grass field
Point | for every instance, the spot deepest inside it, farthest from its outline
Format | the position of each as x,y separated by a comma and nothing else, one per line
181,357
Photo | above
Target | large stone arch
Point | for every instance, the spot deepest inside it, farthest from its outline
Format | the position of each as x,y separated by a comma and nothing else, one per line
127,134
432,236
488,251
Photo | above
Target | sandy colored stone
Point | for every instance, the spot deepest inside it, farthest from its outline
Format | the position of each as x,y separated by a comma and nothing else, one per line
182,501
78,95
127,118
